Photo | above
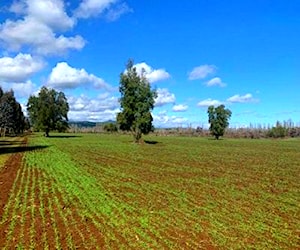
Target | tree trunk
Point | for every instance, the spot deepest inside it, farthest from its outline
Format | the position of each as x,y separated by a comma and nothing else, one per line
137,135
47,132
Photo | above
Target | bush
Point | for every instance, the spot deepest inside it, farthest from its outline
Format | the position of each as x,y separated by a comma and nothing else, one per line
277,132
110,127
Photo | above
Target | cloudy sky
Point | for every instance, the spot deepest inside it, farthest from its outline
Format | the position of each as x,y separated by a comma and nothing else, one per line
196,53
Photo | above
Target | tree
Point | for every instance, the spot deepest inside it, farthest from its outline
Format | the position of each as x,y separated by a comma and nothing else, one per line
278,131
218,119
137,101
48,111
11,115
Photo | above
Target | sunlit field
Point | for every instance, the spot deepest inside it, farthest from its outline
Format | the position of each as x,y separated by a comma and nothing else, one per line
103,191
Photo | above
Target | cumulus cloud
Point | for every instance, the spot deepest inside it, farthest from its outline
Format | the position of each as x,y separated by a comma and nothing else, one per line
19,68
50,12
215,82
64,76
209,102
35,35
103,108
41,24
36,30
241,98
202,72
153,75
164,120
164,97
179,108
21,89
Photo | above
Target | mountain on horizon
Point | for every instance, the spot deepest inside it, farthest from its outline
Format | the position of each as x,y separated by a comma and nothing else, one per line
89,124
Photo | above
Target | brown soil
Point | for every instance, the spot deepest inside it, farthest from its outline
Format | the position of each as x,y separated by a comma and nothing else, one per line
34,229
7,177
62,221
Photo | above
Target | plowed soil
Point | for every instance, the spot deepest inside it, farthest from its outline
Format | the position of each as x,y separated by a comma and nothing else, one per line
7,177
59,226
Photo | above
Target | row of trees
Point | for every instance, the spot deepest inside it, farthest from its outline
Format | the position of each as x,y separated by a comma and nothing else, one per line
48,111
12,119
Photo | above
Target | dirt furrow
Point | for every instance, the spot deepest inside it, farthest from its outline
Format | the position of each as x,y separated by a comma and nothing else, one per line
11,178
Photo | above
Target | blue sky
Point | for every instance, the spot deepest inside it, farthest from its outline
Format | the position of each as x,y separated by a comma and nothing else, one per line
243,54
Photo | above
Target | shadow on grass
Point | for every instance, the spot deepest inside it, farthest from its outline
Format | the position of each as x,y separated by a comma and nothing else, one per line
151,142
20,149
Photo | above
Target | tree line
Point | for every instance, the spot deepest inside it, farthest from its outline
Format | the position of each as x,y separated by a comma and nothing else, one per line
48,110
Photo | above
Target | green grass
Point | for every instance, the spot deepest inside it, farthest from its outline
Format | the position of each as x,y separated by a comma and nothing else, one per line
178,192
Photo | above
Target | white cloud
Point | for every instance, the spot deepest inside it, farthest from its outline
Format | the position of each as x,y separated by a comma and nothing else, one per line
241,98
18,7
115,13
19,68
89,8
35,35
215,82
180,108
202,71
50,12
164,97
102,108
22,89
36,28
209,102
153,75
163,120
65,77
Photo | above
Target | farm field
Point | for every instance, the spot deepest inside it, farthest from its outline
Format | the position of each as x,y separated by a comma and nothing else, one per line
87,191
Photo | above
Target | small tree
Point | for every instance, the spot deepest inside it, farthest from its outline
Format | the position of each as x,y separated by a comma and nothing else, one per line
218,119
137,101
110,127
48,111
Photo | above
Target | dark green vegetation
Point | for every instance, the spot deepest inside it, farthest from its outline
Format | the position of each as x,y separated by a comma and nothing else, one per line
48,111
137,101
12,120
168,193
218,118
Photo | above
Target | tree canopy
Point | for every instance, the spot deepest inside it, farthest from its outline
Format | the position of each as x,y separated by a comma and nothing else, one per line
48,111
218,118
137,100
11,116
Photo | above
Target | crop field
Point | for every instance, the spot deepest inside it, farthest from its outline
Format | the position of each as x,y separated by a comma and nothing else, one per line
87,191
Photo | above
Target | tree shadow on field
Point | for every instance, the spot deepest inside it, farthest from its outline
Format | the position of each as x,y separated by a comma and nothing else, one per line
20,149
151,142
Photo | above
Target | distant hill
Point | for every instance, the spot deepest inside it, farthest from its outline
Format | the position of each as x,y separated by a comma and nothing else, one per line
88,124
